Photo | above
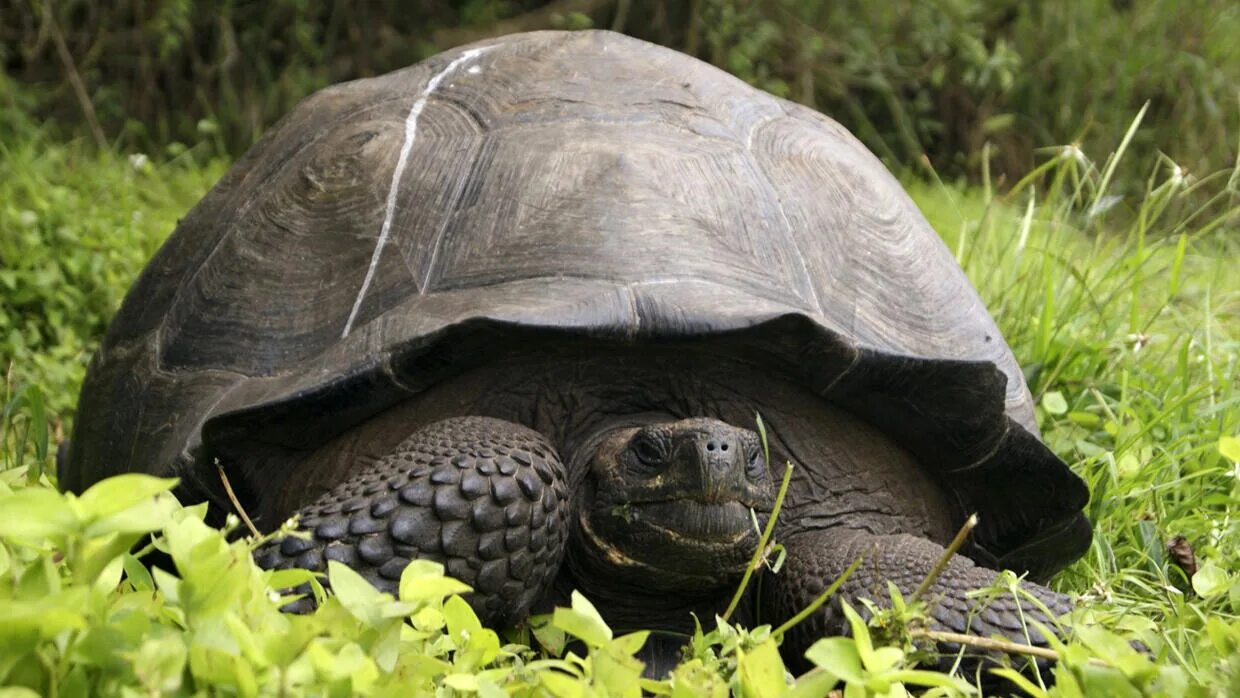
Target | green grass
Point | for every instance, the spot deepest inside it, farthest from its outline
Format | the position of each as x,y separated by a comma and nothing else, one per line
76,227
1124,313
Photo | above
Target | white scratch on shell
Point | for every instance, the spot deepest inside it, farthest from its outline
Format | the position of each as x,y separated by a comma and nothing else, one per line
411,129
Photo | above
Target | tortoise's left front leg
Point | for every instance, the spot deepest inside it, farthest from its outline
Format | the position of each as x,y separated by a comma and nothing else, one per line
485,497
817,558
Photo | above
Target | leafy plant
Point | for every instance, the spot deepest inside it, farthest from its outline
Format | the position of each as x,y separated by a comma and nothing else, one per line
75,229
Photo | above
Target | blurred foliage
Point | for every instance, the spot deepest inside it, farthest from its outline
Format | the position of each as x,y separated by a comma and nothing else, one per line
76,227
946,77
939,78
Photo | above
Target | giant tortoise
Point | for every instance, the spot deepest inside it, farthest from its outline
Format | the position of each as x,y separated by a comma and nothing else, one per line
515,308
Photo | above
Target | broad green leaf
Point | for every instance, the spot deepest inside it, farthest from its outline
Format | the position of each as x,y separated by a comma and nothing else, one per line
358,596
481,648
489,689
385,650
459,617
839,657
616,672
120,492
23,623
1114,650
1210,580
879,684
462,682
1023,683
76,684
168,584
137,574
762,672
209,585
861,637
632,642
247,642
42,578
109,577
148,515
886,658
814,684
1229,446
428,619
549,636
423,580
96,554
1054,403
1099,680
279,580
1128,465
562,685
657,688
34,515
183,538
583,622
160,663
1086,419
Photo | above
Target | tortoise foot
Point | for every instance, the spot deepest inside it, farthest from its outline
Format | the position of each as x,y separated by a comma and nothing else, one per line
485,497
817,558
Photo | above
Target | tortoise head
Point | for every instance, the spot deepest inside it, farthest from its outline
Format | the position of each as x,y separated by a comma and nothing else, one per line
671,502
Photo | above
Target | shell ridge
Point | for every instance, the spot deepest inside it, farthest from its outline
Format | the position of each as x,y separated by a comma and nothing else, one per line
760,169
244,209
454,205
402,161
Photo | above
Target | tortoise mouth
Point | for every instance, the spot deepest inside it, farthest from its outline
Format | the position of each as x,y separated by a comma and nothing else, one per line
671,544
704,522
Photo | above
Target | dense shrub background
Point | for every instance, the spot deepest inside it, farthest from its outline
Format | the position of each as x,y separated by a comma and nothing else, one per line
939,77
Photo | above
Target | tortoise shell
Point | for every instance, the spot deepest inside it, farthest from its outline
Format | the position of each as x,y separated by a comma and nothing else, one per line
392,230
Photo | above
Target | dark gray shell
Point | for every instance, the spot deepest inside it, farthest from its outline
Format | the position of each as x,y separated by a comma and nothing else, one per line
390,230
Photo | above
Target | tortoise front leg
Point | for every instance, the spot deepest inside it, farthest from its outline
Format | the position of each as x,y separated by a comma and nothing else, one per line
817,558
485,497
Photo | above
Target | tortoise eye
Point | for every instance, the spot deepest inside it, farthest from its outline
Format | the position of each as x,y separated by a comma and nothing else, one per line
756,467
648,452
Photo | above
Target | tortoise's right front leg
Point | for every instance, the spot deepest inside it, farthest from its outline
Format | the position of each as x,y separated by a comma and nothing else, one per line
485,497
816,558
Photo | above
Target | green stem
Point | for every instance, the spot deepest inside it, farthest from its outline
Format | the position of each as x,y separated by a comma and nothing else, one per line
986,643
818,602
232,497
939,566
758,553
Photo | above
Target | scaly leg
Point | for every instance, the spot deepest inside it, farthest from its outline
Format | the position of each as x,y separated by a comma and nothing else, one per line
485,497
817,558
